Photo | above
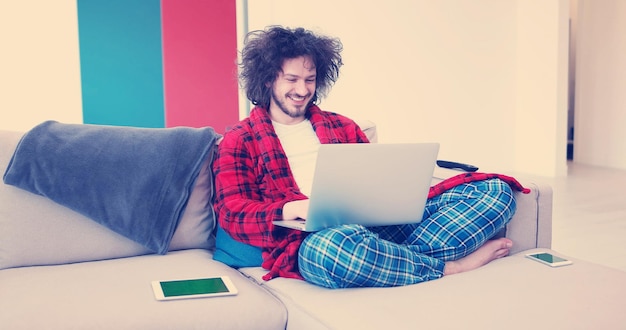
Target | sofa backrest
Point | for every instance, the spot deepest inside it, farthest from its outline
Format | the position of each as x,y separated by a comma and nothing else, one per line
34,230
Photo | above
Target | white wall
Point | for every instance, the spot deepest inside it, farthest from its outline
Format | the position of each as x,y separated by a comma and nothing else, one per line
39,63
542,86
482,77
600,108
485,78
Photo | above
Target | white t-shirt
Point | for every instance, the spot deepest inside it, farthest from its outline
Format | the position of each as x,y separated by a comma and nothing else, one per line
300,144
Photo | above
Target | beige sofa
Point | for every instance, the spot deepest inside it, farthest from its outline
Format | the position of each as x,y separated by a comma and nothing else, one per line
61,270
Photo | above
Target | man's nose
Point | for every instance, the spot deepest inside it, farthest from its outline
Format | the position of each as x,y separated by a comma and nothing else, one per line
301,88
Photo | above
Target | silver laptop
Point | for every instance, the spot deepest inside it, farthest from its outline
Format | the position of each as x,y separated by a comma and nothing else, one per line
368,184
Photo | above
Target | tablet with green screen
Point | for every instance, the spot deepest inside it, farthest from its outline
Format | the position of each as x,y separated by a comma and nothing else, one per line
193,288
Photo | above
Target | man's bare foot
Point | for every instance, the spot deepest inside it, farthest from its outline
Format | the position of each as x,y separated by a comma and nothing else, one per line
493,249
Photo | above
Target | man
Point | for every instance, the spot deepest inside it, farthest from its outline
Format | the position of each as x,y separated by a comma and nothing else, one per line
264,168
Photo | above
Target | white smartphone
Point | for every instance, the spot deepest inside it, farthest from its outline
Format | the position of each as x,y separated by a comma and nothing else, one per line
549,259
193,288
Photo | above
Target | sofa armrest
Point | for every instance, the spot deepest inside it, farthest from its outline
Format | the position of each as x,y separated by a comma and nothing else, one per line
531,226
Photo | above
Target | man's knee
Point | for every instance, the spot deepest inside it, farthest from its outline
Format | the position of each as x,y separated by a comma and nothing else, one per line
329,242
321,252
505,193
503,198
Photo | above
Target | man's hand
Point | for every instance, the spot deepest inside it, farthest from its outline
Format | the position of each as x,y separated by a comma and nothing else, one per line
296,209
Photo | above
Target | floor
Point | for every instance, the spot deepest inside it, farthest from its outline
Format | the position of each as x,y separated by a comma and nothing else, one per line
589,214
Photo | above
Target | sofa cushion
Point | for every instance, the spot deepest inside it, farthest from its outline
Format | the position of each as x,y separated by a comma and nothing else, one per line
116,294
234,253
513,292
37,231
197,223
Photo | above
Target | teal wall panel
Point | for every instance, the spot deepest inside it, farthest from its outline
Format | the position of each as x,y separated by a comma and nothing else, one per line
121,62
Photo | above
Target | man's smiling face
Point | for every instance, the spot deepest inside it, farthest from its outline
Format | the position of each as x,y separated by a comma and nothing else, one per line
293,90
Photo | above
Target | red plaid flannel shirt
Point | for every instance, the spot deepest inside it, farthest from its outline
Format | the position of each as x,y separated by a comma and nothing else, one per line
253,182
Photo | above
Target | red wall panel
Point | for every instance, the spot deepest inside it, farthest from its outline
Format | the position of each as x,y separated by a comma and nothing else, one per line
199,63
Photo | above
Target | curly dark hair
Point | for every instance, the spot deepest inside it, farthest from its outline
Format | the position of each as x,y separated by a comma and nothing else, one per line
265,51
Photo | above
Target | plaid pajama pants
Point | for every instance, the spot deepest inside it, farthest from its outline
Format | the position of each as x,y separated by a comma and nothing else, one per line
455,224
